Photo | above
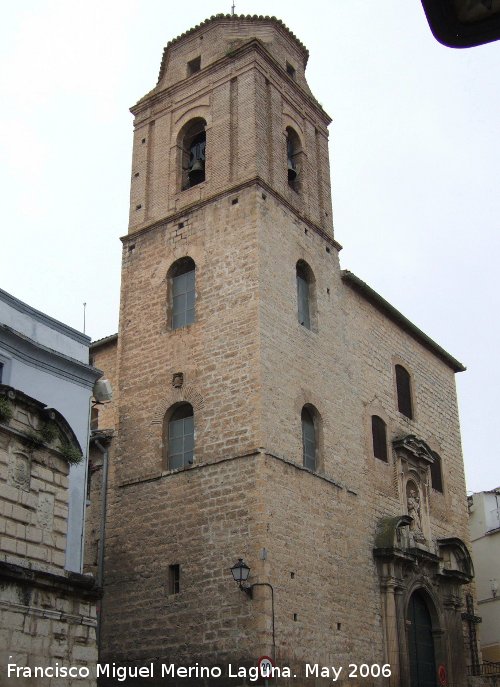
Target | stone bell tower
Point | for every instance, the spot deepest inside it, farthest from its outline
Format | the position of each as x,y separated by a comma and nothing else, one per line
247,366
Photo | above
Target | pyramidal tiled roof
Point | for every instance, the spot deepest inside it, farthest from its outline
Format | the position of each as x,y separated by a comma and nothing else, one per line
232,17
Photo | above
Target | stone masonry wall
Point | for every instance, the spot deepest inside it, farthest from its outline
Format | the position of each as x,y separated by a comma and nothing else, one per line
104,357
47,617
248,369
247,101
33,498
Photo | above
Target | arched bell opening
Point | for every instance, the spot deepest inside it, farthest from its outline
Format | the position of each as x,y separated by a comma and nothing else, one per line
192,142
293,156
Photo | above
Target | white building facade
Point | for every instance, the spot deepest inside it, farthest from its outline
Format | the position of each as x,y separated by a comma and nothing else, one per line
48,361
484,511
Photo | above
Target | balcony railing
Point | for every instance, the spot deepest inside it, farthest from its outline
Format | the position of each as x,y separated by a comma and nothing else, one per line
484,669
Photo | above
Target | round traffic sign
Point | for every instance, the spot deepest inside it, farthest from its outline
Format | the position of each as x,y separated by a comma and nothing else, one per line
265,664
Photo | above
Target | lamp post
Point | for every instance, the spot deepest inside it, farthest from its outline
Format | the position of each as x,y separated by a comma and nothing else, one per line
240,572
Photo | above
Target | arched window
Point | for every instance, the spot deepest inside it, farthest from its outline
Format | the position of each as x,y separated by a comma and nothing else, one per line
403,386
379,438
305,295
182,292
436,474
179,436
193,159
309,421
293,154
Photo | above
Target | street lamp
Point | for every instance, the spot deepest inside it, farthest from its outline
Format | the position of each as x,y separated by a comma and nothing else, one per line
240,572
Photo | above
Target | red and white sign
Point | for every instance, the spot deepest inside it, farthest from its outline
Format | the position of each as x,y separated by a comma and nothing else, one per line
265,665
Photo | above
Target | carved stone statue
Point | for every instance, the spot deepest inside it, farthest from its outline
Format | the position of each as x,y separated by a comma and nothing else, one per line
413,505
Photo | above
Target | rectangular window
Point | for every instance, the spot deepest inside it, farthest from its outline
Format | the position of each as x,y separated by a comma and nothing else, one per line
403,387
174,578
379,437
194,65
290,70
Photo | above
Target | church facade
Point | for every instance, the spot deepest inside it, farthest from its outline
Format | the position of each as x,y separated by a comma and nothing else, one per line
269,406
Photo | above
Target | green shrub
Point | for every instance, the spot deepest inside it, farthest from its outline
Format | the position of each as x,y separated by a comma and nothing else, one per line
72,454
6,410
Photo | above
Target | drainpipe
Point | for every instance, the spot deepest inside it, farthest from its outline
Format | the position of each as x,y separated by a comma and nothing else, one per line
102,528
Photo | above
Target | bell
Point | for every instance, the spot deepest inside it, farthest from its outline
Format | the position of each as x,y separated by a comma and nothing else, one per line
196,172
292,170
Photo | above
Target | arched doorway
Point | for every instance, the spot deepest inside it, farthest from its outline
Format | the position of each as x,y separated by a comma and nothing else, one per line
420,642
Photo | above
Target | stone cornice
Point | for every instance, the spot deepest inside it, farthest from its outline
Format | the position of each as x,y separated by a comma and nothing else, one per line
40,356
73,584
255,181
157,95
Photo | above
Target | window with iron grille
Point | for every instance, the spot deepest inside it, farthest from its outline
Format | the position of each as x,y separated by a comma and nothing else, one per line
180,438
182,282
303,296
309,438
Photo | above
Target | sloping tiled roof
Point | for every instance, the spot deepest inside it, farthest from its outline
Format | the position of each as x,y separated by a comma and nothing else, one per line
232,17
390,311
106,339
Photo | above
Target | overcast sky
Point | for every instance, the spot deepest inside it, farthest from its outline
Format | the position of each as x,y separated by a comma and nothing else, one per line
414,151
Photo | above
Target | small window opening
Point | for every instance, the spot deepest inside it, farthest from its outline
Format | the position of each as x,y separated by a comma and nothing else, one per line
292,575
290,70
143,140
303,296
379,437
295,617
309,442
194,66
328,249
138,207
174,578
234,201
339,626
436,474
403,387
